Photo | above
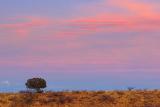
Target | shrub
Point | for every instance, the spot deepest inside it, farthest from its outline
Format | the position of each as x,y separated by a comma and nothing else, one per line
130,88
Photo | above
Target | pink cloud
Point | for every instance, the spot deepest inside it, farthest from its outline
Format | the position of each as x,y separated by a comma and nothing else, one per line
105,24
136,7
23,28
28,22
140,16
85,26
140,52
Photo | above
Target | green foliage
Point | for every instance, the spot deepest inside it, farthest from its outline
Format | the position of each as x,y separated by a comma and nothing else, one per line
36,83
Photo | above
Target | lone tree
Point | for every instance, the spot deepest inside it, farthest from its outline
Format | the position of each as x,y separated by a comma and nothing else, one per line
36,83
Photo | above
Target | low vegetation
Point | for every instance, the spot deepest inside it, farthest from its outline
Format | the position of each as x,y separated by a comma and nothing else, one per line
130,98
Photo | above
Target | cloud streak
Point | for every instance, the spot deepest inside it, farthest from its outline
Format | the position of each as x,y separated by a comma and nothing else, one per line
24,27
105,38
5,83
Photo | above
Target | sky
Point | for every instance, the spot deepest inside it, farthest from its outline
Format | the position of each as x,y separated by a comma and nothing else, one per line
80,44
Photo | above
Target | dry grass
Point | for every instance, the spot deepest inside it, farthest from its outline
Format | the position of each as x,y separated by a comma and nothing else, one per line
135,98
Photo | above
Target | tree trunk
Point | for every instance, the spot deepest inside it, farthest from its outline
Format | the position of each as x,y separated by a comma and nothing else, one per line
38,90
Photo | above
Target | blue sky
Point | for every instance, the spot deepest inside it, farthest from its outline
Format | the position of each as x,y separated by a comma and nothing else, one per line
80,44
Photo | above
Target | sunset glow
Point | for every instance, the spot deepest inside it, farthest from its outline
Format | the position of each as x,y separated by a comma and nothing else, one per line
80,44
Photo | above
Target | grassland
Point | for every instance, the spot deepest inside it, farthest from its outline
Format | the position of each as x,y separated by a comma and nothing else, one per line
135,98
